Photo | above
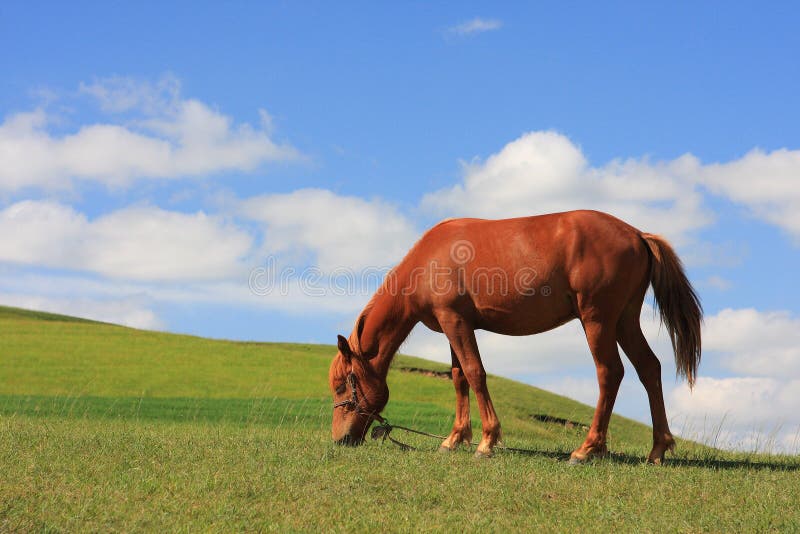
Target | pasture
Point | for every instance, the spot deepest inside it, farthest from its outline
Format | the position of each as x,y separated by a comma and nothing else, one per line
106,428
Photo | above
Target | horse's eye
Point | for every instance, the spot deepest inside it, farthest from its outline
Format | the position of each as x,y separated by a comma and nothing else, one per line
340,389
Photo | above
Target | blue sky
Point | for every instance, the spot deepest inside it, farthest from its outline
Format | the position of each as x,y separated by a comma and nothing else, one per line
152,156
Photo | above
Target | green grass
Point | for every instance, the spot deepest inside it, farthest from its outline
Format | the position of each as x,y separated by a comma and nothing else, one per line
109,428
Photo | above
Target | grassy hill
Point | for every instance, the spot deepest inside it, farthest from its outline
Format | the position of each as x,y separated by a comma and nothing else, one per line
109,428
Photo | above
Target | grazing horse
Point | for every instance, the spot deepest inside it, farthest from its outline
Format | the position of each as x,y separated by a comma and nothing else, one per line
519,277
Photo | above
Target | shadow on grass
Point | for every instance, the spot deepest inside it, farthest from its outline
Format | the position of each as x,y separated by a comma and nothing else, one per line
712,461
788,463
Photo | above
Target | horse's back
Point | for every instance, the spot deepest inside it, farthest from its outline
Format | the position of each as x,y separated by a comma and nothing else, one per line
568,233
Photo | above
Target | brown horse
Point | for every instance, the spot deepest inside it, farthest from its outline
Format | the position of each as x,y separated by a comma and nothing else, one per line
519,277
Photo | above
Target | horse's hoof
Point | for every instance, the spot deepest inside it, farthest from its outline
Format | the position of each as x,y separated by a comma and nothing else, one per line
482,455
445,450
656,456
578,460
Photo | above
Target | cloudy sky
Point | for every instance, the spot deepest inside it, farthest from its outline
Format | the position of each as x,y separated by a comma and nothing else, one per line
249,172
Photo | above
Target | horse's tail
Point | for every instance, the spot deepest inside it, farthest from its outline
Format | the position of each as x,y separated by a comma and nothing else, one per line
679,306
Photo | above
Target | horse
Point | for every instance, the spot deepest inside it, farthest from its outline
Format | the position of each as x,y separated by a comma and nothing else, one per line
518,277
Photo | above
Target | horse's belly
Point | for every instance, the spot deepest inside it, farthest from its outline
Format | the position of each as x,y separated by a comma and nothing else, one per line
523,317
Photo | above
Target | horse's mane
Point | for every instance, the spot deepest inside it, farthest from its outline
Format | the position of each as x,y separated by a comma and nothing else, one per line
382,302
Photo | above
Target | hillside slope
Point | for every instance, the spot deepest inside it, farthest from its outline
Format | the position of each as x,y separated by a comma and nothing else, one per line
54,363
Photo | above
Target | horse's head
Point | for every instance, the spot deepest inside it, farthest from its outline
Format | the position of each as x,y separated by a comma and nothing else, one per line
359,394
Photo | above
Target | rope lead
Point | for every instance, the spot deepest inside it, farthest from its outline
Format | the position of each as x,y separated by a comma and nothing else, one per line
383,430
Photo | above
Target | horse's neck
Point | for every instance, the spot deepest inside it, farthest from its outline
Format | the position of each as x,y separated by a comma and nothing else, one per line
388,323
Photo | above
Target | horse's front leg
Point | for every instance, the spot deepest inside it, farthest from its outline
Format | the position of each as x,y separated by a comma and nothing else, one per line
462,427
462,340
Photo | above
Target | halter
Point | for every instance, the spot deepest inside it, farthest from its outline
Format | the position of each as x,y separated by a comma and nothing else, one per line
352,402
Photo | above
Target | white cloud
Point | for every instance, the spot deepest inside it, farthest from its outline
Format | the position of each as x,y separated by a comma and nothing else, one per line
542,172
169,137
545,172
753,343
69,289
195,257
118,94
340,231
742,397
475,26
129,311
140,243
768,183
758,407
740,412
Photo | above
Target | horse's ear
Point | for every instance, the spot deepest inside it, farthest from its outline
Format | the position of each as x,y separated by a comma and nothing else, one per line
360,330
344,348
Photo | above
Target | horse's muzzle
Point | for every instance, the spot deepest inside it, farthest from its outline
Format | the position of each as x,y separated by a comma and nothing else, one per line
349,440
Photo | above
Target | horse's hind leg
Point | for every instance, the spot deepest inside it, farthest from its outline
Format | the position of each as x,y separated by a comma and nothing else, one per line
462,339
462,427
633,342
603,344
